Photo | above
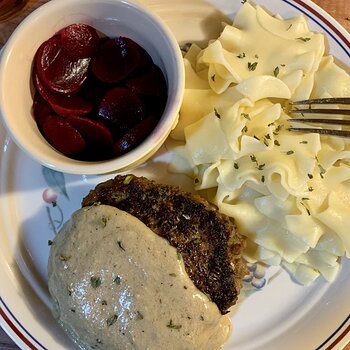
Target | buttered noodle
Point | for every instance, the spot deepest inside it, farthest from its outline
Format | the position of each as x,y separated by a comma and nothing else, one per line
288,192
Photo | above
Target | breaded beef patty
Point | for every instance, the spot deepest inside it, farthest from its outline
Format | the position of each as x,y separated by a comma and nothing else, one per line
207,240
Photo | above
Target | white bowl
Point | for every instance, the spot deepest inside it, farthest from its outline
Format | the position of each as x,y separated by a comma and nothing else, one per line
113,18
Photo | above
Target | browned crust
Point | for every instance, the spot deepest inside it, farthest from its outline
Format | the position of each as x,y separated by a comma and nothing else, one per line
207,240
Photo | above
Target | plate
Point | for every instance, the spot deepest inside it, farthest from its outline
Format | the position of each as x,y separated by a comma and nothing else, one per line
35,201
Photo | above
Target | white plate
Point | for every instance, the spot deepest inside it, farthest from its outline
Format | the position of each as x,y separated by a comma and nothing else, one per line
283,315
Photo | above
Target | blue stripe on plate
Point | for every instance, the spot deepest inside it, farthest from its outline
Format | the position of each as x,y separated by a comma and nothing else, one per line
325,28
346,50
19,324
334,333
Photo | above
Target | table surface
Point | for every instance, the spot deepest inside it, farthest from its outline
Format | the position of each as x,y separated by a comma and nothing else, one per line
339,9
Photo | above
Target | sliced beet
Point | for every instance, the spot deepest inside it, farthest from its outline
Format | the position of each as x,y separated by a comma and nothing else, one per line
41,110
145,58
64,106
121,108
40,87
134,136
63,136
47,52
94,90
79,40
71,106
91,91
150,82
57,72
98,138
154,105
115,59
94,132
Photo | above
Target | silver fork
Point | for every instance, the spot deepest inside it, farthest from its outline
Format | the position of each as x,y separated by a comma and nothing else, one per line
344,101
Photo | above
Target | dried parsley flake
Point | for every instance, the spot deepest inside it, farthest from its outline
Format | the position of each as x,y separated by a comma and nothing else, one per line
174,326
120,245
252,66
95,282
253,158
111,320
278,129
104,221
64,257
217,114
304,39
306,208
139,316
322,170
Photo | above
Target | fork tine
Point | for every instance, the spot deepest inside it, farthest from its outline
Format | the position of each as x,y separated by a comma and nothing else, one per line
333,100
321,111
320,121
329,111
341,133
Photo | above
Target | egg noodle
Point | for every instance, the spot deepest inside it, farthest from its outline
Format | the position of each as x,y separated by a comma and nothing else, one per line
289,193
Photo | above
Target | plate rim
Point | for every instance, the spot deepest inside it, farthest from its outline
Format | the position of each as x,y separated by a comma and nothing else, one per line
336,340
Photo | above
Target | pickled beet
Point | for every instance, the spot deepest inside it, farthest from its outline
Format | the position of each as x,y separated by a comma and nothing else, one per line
41,110
145,58
134,136
94,132
93,90
121,108
79,41
58,72
64,106
63,136
154,105
96,98
115,59
150,82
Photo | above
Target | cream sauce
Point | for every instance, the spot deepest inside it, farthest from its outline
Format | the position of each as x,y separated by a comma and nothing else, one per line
117,285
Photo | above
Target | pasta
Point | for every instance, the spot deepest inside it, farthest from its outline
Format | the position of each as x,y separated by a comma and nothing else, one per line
288,192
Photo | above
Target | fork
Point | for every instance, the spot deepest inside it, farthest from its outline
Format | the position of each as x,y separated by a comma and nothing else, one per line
328,111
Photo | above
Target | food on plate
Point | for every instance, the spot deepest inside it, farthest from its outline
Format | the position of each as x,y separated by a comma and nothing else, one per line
288,192
116,281
95,97
207,240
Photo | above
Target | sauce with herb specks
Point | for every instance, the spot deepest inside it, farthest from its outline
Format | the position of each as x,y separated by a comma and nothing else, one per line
116,284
